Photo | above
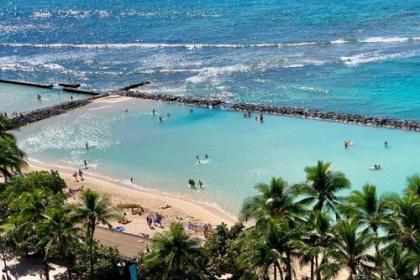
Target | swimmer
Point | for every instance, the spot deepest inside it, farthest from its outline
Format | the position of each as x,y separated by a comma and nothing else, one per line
191,111
81,174
126,110
346,145
85,162
38,97
160,119
200,184
197,157
87,146
386,144
153,112
261,118
131,179
191,183
206,156
71,98
168,115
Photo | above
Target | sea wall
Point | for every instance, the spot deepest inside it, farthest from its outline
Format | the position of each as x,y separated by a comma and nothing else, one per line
172,99
411,125
44,113
24,83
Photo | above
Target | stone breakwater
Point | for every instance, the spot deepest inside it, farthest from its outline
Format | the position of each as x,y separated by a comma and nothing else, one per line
411,125
44,113
173,99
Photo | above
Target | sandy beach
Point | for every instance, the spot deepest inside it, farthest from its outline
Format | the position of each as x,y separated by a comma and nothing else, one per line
172,209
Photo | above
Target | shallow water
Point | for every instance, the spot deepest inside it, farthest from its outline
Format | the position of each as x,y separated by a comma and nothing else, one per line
242,151
16,98
339,55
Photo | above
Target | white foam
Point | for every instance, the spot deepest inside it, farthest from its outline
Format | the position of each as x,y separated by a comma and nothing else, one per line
296,65
385,40
339,41
41,14
372,57
210,72
53,66
189,46
301,44
103,13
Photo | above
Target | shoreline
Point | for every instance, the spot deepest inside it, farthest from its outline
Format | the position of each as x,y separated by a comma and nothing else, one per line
154,202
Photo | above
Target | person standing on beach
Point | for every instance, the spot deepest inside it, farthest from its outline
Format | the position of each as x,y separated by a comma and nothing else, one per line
85,162
132,180
75,176
81,174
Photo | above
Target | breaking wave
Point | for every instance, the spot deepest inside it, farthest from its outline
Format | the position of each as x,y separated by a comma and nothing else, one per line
373,57
194,46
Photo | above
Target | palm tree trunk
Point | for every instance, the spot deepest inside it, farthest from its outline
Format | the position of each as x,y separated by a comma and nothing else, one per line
280,271
6,269
46,270
288,267
312,268
378,258
275,272
91,258
318,273
92,226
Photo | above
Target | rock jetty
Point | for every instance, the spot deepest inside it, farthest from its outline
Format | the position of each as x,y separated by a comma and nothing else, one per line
44,113
412,125
133,86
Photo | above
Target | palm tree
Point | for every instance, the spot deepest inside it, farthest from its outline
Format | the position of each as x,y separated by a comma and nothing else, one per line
370,210
275,200
57,232
413,185
399,263
173,251
349,250
404,225
271,246
11,157
322,185
5,229
317,238
26,211
5,125
94,209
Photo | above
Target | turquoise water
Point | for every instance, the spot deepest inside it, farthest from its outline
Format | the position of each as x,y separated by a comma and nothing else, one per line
15,98
338,55
242,152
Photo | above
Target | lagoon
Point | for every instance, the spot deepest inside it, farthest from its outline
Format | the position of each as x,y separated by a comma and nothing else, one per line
242,152
17,98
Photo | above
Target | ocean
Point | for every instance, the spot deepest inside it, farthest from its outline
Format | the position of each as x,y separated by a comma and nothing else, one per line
348,56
